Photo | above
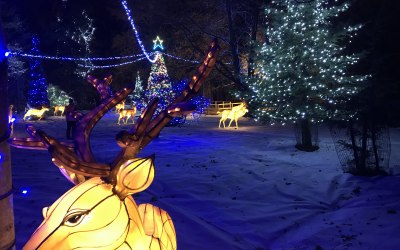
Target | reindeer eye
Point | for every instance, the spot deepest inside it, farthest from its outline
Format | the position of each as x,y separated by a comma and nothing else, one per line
74,218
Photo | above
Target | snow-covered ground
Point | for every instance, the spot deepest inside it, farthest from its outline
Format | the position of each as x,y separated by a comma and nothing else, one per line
234,189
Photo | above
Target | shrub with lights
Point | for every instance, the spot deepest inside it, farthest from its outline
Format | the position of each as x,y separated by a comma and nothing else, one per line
57,96
302,73
199,101
37,93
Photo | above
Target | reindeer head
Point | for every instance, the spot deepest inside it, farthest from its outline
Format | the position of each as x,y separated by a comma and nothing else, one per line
99,212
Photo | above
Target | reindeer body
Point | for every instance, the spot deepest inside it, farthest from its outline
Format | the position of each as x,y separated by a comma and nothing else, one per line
127,113
233,114
36,112
59,109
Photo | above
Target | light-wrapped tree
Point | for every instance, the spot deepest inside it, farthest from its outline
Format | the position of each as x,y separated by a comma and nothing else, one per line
302,72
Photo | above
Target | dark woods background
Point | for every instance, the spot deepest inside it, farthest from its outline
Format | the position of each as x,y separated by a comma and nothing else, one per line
187,27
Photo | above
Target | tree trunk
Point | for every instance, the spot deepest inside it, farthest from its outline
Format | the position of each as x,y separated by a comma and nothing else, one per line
354,144
306,137
375,145
233,43
254,28
7,233
364,154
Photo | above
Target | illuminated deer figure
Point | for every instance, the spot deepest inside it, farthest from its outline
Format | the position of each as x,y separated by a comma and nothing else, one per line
36,112
127,113
99,212
119,106
59,109
233,114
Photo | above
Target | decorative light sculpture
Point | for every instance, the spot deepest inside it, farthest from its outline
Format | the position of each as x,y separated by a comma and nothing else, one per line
36,112
59,110
100,213
158,43
126,113
233,114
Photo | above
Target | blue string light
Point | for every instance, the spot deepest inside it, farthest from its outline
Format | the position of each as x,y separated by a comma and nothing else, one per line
65,58
24,191
128,14
180,58
158,44
112,65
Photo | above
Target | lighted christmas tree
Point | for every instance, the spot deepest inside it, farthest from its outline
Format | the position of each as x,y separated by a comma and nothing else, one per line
302,72
158,84
37,93
138,92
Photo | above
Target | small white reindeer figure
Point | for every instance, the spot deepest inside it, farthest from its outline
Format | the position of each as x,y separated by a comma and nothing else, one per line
233,114
36,112
99,212
127,113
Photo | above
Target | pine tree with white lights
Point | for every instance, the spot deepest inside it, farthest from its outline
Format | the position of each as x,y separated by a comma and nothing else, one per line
302,72
57,96
138,92
159,83
37,93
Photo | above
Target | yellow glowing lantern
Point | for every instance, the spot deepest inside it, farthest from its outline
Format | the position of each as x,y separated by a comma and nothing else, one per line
59,110
99,212
36,112
126,113
233,114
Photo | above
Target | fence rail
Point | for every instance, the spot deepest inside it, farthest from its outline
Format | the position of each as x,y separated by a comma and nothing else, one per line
219,106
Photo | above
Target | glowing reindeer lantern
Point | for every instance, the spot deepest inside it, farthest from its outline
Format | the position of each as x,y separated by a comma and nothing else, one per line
99,212
36,112
119,106
233,114
59,110
126,113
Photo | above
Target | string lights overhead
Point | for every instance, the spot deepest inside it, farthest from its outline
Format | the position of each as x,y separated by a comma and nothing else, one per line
65,58
128,14
137,57
112,65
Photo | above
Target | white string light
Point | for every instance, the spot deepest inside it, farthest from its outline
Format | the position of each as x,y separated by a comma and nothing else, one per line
128,14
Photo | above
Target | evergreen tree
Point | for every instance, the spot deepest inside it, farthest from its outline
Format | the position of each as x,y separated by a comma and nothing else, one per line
37,93
57,96
138,92
158,84
18,40
302,73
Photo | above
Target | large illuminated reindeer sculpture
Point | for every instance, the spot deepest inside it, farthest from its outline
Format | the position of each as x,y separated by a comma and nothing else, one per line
99,212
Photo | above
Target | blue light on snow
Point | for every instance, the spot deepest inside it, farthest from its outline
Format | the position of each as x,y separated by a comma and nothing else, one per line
24,191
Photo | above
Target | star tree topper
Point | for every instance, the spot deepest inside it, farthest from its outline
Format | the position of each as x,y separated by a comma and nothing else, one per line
158,43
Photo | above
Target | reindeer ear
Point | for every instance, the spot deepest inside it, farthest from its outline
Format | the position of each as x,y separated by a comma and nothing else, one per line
134,176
